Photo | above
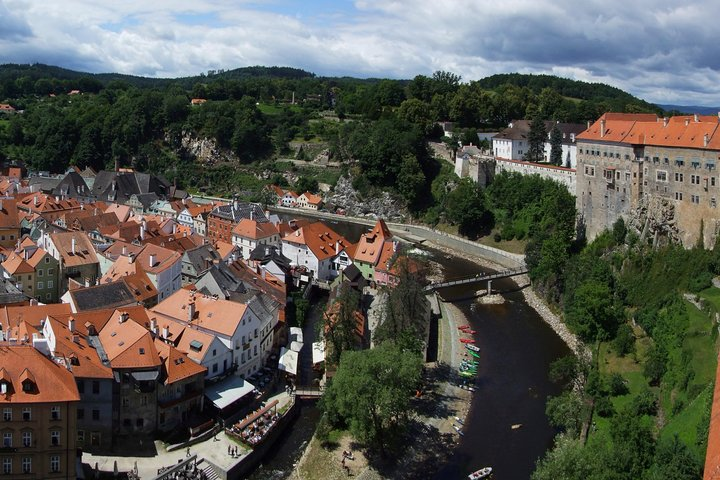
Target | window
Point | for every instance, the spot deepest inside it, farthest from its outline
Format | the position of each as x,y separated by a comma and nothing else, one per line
95,387
712,181
81,437
679,161
695,199
26,411
125,402
678,195
695,179
27,464
679,177
7,466
126,422
589,170
139,422
7,414
47,260
27,439
256,333
40,272
215,368
80,386
96,414
661,176
80,413
55,412
143,400
7,439
50,270
55,463
40,285
55,437
713,202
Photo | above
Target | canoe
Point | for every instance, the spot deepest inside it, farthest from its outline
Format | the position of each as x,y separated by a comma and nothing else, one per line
474,354
482,473
459,430
468,374
459,420
463,327
471,332
473,348
467,340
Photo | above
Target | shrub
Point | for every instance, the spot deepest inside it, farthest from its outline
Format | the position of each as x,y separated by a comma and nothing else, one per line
624,342
604,407
644,403
617,385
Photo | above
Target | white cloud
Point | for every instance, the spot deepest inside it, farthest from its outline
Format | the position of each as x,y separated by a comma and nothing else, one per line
659,50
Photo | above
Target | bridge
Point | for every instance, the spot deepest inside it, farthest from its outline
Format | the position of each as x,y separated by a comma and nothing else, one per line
481,277
308,392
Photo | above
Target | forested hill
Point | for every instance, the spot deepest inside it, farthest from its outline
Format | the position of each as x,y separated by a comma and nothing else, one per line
94,81
567,88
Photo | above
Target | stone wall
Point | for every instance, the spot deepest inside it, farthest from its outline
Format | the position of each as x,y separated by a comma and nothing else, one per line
562,175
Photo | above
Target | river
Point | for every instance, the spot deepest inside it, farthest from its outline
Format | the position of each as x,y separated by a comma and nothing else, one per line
517,348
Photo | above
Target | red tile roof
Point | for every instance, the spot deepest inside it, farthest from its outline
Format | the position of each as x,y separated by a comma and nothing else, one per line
176,365
221,316
9,213
74,346
53,382
319,238
254,230
84,252
371,244
127,343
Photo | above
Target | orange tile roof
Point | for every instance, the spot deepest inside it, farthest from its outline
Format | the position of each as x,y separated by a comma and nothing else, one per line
177,365
319,238
127,343
254,230
74,346
11,316
224,249
371,244
647,129
54,383
84,250
122,212
163,258
16,264
312,198
220,316
9,214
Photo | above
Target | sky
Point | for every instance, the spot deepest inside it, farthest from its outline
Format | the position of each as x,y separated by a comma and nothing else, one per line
663,51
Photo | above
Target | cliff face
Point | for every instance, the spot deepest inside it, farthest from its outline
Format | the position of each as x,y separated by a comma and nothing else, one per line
385,205
654,218
204,150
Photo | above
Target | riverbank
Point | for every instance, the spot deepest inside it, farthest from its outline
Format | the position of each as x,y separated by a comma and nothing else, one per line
531,298
432,437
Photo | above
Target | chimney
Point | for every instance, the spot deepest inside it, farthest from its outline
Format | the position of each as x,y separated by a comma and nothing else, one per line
695,117
337,247
131,258
87,282
152,260
153,325
165,332
602,127
113,185
27,250
706,140
33,302
572,137
174,230
35,199
124,250
72,246
71,324
117,166
687,122
123,317
588,123
82,206
665,121
191,310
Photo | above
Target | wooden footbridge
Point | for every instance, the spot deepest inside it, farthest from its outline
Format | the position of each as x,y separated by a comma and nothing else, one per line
308,391
481,277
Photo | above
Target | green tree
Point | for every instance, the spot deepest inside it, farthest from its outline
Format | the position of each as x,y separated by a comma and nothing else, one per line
567,411
466,208
592,312
406,312
536,140
673,459
556,146
306,184
568,460
411,182
371,392
340,323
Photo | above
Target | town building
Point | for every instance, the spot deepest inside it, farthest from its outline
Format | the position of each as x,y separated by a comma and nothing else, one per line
248,234
75,255
317,248
661,172
222,219
9,222
38,399
512,142
370,249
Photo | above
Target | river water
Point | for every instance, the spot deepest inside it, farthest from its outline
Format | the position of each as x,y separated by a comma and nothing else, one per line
517,348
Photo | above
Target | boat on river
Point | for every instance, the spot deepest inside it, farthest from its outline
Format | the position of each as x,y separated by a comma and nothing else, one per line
482,473
467,340
474,348
474,354
468,374
464,327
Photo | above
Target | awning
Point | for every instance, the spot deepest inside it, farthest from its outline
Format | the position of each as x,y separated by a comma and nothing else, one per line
288,361
296,334
318,352
295,346
145,376
225,392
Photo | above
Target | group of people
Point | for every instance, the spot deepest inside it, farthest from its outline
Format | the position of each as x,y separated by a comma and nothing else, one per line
254,432
189,472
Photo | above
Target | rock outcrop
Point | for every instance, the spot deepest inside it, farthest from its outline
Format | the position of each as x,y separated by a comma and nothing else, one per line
654,218
205,150
384,205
